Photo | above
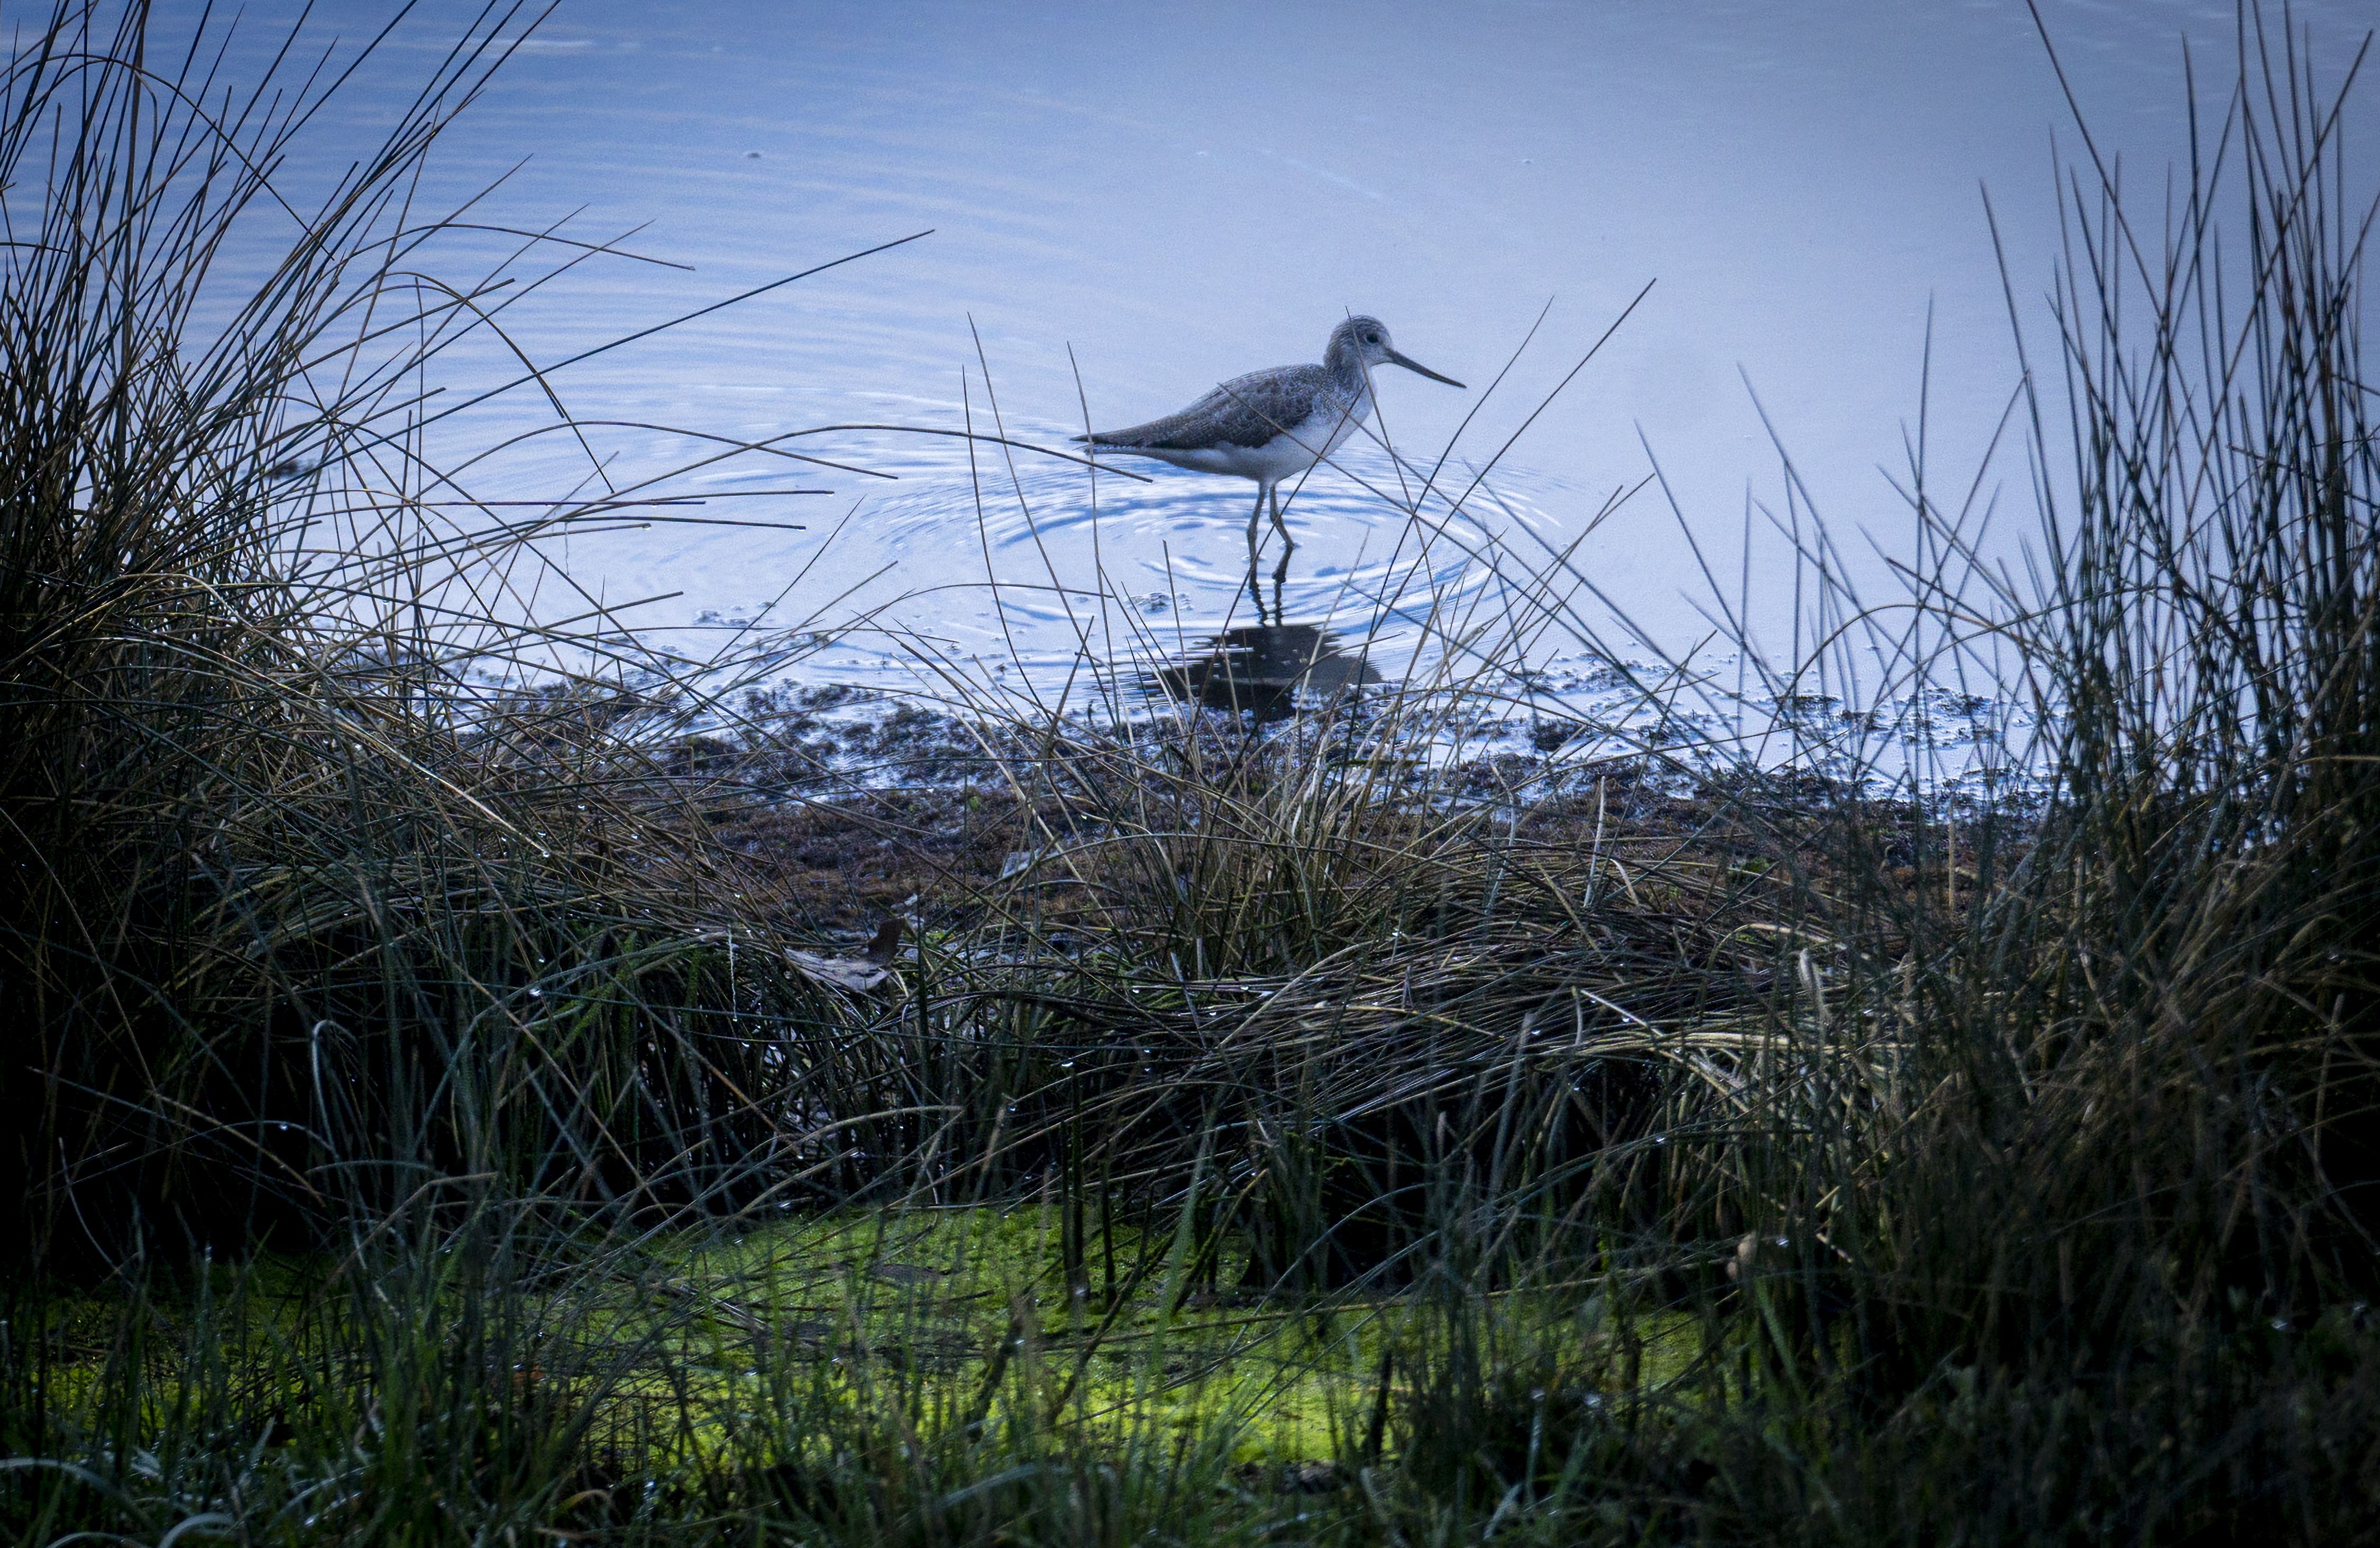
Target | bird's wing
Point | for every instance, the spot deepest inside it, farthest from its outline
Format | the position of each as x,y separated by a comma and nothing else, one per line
1246,411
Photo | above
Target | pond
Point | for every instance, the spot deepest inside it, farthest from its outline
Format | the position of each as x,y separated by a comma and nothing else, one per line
1129,205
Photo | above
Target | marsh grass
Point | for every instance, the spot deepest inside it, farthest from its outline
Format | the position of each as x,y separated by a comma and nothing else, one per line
309,917
1658,1138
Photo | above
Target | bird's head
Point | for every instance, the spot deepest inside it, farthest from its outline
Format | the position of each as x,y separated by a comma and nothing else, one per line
1366,339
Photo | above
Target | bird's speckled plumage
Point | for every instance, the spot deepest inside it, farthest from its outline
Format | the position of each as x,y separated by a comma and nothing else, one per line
1270,425
1247,411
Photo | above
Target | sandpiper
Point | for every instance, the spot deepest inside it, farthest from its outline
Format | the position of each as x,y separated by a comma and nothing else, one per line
1271,424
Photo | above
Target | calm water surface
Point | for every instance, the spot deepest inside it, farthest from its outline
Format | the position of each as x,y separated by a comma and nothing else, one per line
1130,203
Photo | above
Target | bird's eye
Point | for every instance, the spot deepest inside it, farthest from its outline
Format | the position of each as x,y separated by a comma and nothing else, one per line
1371,338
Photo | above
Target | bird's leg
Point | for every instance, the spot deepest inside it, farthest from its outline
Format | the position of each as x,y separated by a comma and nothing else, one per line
1288,546
1256,518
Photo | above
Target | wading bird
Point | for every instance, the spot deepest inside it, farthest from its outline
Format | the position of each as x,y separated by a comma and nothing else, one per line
1270,425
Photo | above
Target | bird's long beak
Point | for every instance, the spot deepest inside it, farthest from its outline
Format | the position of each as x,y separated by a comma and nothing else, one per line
1421,369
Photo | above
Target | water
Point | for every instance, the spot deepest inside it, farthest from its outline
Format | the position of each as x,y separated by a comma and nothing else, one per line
1130,203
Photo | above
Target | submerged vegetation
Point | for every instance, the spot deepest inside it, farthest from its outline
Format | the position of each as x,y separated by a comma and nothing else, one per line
432,1115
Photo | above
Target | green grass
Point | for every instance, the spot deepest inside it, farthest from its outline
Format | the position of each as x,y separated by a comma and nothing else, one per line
951,1335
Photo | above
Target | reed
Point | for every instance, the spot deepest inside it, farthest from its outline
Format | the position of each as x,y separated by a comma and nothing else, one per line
307,915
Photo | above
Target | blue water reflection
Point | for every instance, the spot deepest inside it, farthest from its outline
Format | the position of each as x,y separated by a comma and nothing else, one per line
1132,202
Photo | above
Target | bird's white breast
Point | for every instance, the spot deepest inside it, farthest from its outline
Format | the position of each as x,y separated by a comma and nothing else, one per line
1304,444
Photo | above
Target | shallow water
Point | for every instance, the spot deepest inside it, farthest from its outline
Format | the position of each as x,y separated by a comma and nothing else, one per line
1130,203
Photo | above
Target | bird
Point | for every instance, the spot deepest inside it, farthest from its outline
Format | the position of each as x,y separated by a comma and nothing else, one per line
1270,425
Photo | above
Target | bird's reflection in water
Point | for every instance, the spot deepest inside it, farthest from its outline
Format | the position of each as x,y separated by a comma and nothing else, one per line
1269,668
